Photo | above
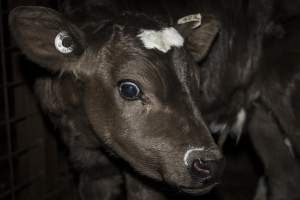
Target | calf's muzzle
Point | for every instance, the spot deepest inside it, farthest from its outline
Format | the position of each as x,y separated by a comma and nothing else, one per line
205,166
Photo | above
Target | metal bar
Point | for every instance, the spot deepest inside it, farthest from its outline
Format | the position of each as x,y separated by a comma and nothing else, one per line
12,84
5,12
17,119
51,194
40,174
11,48
6,108
24,150
5,194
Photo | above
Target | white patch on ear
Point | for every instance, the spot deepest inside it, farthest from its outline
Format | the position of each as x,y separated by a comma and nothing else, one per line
58,42
188,152
237,127
162,40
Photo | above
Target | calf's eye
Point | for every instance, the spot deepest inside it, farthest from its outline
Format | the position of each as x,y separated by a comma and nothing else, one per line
129,90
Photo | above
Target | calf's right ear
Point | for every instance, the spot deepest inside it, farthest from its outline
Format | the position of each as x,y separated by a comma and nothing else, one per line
46,37
199,33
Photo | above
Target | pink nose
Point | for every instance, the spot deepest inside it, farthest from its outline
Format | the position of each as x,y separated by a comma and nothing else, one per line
206,170
200,169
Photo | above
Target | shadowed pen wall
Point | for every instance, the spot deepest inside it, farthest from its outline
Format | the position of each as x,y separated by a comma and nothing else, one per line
30,165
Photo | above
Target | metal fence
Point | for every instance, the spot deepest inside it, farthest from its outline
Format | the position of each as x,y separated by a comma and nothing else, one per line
31,166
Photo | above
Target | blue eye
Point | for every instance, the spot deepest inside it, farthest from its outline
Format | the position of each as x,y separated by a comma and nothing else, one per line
129,90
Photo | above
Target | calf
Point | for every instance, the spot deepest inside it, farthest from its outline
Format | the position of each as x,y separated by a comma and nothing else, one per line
124,93
125,85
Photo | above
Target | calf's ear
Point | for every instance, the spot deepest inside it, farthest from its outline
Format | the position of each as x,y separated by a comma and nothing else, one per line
46,37
199,33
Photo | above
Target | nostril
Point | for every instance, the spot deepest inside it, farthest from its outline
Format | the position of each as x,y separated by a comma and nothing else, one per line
200,169
199,166
203,165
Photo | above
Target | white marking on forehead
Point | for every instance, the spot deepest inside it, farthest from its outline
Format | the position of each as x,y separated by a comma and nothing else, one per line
188,152
162,40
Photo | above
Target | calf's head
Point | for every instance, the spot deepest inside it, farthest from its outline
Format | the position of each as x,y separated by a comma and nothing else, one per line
140,89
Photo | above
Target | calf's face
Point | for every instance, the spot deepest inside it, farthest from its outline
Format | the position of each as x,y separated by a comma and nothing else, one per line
140,91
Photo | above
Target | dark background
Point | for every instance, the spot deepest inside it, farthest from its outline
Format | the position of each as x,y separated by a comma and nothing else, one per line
33,165
30,165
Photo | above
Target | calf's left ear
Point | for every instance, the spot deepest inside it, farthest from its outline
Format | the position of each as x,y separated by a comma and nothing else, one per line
46,37
199,33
